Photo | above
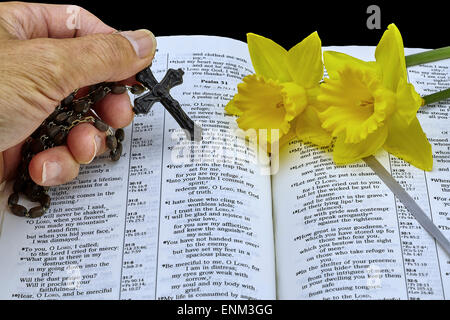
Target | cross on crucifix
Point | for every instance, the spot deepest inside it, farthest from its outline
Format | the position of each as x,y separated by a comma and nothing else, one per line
160,92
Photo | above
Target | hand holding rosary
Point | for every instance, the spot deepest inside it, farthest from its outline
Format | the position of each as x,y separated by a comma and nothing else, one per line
74,110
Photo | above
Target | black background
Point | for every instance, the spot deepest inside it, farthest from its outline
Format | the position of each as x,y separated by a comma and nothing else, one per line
423,24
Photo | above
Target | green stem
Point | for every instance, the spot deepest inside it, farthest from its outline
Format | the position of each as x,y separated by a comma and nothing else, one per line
427,56
438,96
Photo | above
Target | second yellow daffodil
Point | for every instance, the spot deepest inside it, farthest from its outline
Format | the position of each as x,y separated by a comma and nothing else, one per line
371,105
282,93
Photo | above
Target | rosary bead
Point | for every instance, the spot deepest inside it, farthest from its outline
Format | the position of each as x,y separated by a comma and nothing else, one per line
59,138
32,191
37,146
13,199
53,115
53,131
36,212
137,89
68,100
98,94
118,89
81,106
45,201
61,117
120,134
115,154
100,125
119,148
71,119
111,142
18,210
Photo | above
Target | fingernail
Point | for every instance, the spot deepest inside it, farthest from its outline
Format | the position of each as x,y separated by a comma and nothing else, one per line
50,172
143,42
97,142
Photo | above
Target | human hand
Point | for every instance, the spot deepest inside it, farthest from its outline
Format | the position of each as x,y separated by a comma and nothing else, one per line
43,60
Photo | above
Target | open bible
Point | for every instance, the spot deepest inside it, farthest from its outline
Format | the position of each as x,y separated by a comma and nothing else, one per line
217,223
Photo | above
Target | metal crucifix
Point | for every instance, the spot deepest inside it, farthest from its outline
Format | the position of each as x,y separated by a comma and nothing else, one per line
160,92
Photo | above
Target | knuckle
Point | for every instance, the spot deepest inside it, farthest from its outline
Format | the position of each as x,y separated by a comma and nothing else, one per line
38,74
114,49
52,67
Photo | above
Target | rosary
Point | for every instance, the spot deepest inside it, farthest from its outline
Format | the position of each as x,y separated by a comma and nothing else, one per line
73,110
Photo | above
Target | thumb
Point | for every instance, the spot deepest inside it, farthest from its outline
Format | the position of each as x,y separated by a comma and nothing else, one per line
97,58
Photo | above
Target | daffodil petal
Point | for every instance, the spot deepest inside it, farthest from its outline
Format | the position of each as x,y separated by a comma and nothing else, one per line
305,61
338,61
232,109
408,101
308,128
295,99
345,153
409,142
390,55
268,58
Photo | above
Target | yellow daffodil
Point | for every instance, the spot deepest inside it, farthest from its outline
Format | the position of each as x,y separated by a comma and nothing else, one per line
370,105
282,92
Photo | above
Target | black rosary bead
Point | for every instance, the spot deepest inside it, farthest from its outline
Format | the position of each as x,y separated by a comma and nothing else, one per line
116,153
33,191
118,89
81,106
100,125
68,100
72,119
45,201
18,210
60,138
53,115
99,94
137,89
52,131
36,212
111,142
61,118
13,199
120,134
